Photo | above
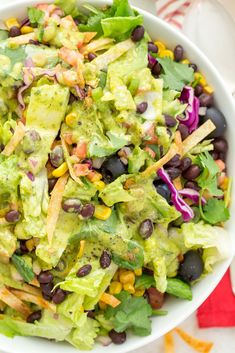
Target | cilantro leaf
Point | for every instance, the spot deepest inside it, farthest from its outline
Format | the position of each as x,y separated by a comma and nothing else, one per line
175,75
35,16
145,282
215,211
208,178
132,313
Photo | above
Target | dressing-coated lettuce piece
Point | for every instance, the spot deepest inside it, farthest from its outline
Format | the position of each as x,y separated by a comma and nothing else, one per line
7,244
120,27
66,227
9,181
34,197
48,327
6,129
45,113
83,192
115,192
84,335
171,103
72,307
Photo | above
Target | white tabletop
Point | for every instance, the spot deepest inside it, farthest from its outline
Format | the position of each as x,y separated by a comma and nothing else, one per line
223,338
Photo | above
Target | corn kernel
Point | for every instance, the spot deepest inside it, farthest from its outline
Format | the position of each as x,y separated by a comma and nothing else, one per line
185,61
81,249
102,305
129,288
71,119
161,46
12,22
61,170
208,89
100,185
138,272
26,29
102,212
30,245
116,276
139,292
127,277
95,176
166,53
115,287
82,309
200,78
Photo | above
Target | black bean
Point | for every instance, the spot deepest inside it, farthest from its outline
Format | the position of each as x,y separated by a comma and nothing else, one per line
47,288
206,100
47,297
14,32
192,185
192,172
163,190
59,296
156,70
12,216
184,131
1,147
146,228
170,120
218,119
220,145
23,247
91,56
57,156
142,107
84,270
215,155
72,206
152,47
193,66
87,210
192,266
51,184
173,172
178,53
198,90
222,156
138,33
117,337
45,277
105,259
35,316
90,314
174,162
185,163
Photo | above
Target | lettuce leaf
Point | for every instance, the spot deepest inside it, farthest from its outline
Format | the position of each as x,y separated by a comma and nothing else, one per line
71,307
48,327
171,104
120,27
7,244
83,192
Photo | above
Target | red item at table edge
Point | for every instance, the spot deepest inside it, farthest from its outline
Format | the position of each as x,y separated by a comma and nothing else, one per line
219,308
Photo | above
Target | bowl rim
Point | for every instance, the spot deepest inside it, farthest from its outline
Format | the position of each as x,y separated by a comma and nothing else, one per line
142,341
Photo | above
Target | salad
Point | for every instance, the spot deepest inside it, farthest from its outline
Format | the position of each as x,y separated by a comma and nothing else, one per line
113,182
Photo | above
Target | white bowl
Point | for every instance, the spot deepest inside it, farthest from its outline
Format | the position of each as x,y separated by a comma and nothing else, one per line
178,310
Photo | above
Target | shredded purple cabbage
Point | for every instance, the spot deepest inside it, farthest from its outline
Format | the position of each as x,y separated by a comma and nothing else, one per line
179,203
28,80
191,119
192,195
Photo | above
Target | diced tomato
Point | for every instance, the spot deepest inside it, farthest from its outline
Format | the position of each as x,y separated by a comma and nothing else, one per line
81,169
151,132
150,152
94,176
220,164
68,137
80,150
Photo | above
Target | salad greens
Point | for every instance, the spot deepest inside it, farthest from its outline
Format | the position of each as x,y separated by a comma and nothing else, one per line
100,218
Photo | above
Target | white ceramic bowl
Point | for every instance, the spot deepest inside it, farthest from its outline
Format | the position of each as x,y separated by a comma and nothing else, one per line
178,310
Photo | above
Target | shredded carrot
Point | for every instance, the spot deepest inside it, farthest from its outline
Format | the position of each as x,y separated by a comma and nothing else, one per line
70,166
197,136
15,140
199,345
38,300
10,299
177,183
169,344
110,300
150,151
55,206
